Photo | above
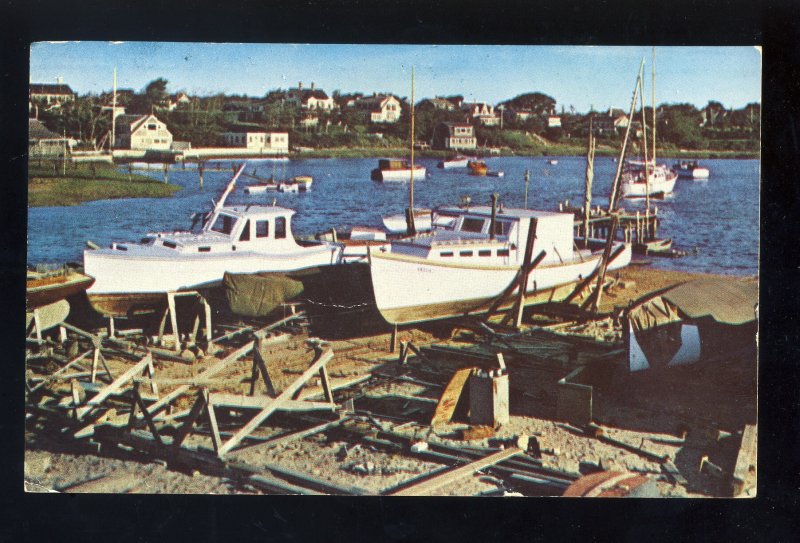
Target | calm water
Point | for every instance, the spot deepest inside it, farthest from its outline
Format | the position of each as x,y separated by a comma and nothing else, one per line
719,216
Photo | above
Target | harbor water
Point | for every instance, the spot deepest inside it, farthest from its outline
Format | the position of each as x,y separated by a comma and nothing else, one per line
718,217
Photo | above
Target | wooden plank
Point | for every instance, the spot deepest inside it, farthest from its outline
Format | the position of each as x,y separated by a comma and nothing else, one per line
428,486
212,421
326,384
323,358
273,484
262,402
604,261
449,399
315,482
745,458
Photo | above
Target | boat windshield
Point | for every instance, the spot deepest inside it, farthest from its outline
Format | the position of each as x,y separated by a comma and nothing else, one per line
224,224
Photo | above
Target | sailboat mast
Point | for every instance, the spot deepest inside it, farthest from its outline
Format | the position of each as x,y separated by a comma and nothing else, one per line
612,201
114,112
411,183
653,76
647,176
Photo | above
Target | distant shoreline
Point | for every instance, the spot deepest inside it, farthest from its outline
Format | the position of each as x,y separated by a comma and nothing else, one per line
554,151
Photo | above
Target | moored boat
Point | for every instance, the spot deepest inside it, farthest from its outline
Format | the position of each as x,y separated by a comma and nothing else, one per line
477,167
300,183
635,183
397,171
133,278
463,269
690,170
455,162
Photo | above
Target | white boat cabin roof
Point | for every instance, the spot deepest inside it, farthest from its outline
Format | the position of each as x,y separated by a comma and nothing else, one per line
257,211
505,213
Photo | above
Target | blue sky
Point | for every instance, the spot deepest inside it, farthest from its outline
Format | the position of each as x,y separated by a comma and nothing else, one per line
578,76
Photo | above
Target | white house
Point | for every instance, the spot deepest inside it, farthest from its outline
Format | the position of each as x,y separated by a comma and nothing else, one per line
50,93
454,136
255,140
309,98
553,121
142,132
482,112
379,108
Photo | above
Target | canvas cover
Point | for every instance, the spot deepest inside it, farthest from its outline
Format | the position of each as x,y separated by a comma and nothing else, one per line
258,294
725,301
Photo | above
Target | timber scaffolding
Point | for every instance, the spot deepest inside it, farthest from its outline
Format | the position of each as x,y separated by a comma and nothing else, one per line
277,411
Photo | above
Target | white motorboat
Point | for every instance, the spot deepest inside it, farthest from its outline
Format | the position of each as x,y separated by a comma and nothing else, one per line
455,162
133,278
300,183
462,269
396,224
397,171
690,170
660,180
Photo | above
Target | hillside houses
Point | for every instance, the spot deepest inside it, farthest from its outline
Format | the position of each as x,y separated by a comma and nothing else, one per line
436,103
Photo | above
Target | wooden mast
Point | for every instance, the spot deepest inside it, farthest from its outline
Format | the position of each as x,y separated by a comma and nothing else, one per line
644,151
587,199
612,201
412,229
114,114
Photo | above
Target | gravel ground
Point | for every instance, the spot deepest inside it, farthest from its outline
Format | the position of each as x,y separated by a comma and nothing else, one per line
646,411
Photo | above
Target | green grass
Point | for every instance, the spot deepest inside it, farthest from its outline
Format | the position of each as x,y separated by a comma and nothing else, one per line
48,187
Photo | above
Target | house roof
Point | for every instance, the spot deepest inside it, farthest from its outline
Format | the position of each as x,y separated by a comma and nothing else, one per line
38,131
451,125
306,94
48,88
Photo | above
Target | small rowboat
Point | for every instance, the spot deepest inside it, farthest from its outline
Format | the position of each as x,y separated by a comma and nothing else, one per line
44,288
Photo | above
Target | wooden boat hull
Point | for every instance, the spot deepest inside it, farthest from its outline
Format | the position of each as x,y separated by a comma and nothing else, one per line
447,164
410,289
48,290
50,315
128,305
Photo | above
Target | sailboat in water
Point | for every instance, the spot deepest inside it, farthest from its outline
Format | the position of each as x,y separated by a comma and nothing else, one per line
646,178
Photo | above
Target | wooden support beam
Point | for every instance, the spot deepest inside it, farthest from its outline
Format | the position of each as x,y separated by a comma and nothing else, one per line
58,374
589,278
323,357
604,261
207,374
115,385
428,486
173,319
326,385
745,459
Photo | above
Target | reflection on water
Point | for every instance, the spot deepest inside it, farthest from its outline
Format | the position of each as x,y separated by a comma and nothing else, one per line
718,216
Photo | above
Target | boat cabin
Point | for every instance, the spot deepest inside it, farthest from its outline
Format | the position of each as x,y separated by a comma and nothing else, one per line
238,228
467,240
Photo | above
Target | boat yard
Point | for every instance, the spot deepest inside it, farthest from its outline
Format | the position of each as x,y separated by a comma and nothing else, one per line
391,411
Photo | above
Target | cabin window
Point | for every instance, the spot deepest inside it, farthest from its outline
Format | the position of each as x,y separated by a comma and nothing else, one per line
280,228
245,235
502,228
169,244
446,253
485,252
472,225
224,224
502,252
262,229
205,249
122,248
465,253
